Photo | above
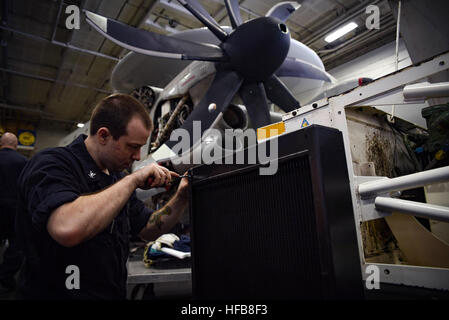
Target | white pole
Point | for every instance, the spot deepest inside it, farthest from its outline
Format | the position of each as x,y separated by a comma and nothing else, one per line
405,182
426,90
425,210
396,61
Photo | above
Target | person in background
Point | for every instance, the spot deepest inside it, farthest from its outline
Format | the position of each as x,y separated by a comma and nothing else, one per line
11,165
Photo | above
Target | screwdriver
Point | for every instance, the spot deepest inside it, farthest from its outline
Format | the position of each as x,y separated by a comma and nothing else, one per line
173,182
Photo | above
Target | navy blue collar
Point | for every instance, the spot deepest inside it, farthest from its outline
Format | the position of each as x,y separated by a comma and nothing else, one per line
78,148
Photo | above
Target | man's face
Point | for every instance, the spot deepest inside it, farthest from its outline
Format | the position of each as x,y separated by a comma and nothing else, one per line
123,152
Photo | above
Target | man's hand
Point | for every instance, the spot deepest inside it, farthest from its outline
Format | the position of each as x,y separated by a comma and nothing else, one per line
152,176
183,188
162,220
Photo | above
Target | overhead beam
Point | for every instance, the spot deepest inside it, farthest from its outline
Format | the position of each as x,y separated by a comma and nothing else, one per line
67,83
55,26
176,7
42,114
65,53
364,43
350,14
61,44
386,22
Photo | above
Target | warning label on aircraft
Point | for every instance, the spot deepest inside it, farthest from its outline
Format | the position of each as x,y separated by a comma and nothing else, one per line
305,123
271,130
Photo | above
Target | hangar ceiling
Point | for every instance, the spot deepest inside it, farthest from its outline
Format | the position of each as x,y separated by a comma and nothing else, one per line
52,77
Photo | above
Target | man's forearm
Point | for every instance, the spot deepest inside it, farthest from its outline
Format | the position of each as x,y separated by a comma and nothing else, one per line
162,220
88,215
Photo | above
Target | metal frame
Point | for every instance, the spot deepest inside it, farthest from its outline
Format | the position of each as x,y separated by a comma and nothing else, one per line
139,274
330,112
377,192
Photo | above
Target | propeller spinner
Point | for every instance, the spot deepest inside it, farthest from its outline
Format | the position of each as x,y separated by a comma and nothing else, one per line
256,49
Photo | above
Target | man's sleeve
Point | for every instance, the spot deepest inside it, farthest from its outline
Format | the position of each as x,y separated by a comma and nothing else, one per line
46,183
138,215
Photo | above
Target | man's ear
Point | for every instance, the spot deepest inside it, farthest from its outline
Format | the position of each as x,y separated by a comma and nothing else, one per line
103,135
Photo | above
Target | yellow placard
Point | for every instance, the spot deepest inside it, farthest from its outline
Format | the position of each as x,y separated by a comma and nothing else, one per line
271,130
26,138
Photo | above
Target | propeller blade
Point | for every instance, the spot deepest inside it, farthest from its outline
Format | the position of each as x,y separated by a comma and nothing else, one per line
201,14
223,88
283,10
279,94
301,69
152,44
232,6
255,100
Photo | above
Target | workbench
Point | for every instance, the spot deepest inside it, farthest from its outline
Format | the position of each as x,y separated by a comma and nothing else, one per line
141,279
139,274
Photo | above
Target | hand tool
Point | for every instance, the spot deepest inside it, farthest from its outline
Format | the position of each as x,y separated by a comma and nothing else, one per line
173,182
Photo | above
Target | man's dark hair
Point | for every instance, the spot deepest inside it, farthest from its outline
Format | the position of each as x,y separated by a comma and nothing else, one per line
115,111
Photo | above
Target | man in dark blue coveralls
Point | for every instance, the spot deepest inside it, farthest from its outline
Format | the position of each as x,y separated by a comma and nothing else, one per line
77,211
11,165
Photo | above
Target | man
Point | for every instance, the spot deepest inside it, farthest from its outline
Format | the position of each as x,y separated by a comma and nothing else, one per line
76,212
11,165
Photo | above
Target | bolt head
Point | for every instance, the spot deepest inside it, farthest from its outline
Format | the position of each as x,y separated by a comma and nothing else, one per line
212,107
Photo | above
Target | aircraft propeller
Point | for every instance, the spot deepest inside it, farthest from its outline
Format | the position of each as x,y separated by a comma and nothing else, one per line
249,60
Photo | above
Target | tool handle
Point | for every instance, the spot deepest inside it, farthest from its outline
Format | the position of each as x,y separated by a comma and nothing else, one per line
150,181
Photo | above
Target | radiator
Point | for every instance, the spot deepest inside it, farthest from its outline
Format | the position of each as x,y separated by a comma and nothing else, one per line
290,235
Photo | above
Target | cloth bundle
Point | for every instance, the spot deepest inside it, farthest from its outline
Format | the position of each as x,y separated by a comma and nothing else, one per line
166,250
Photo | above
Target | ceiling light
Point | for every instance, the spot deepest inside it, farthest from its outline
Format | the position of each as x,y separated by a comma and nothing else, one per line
80,125
341,32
